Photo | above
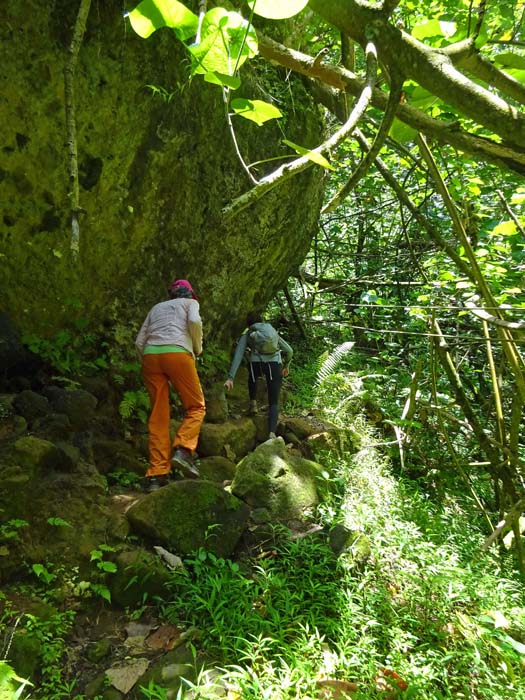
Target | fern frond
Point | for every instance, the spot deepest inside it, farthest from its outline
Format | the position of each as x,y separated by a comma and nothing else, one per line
329,365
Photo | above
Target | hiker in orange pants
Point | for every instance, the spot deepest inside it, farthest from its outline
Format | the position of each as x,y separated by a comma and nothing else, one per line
169,340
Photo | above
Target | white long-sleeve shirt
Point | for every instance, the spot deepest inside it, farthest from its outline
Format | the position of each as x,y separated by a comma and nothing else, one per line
172,322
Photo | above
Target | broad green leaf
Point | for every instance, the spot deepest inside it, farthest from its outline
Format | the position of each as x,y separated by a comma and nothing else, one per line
510,60
311,155
227,41
421,98
506,228
518,197
277,9
150,15
433,28
255,110
402,132
216,78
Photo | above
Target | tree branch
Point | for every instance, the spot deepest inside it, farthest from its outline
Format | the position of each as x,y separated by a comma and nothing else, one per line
371,155
326,76
431,68
464,55
285,172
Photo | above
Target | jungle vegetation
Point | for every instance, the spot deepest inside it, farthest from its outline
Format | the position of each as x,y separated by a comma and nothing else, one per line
407,315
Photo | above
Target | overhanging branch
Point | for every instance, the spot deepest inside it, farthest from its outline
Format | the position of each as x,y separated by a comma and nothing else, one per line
326,76
285,172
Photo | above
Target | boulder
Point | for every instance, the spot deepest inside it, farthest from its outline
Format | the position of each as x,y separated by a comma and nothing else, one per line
217,469
15,358
140,576
78,405
278,482
37,456
186,515
351,546
31,405
216,404
231,439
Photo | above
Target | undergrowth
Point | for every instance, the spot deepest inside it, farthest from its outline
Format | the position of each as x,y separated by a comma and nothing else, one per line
427,616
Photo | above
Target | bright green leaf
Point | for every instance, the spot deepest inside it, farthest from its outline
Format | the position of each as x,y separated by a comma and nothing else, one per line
255,110
311,155
506,228
510,60
108,566
222,79
277,9
227,41
433,28
518,197
58,522
150,15
402,132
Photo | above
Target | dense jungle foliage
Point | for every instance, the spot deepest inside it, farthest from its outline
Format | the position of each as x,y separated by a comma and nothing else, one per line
406,317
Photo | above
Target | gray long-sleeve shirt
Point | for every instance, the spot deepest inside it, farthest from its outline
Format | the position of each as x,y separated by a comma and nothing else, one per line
282,356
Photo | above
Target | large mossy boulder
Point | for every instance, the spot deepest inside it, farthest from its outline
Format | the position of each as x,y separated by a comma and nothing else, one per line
278,483
187,515
232,439
157,164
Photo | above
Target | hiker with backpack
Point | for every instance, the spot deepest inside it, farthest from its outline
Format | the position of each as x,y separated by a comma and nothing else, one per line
168,342
269,356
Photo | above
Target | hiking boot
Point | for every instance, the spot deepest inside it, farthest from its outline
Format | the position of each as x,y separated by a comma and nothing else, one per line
271,436
183,461
253,410
154,483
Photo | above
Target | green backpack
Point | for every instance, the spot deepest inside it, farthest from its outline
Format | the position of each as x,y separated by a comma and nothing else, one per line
263,339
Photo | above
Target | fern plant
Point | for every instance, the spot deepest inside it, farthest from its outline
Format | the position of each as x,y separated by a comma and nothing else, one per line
330,363
135,404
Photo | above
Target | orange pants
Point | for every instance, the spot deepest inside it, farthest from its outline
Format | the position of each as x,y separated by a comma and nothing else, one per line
158,371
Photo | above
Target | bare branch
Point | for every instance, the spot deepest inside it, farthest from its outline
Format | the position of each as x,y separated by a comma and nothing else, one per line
285,172
379,140
429,67
338,77
465,56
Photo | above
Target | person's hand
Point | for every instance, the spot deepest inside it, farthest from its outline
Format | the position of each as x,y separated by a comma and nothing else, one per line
228,384
286,371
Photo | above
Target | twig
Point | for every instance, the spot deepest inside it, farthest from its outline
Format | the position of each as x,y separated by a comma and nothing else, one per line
287,171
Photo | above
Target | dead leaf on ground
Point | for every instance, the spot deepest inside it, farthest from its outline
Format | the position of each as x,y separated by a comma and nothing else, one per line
334,689
165,638
389,681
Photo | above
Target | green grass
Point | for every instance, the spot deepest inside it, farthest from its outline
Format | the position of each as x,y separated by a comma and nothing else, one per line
426,605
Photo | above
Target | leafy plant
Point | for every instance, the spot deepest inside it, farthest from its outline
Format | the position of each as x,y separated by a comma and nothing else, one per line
104,567
11,685
58,522
135,405
11,529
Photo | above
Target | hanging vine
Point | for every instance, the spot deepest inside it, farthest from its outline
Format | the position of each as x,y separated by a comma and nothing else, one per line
69,90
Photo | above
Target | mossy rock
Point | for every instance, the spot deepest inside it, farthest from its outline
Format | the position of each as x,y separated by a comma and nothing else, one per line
140,576
282,483
232,439
187,515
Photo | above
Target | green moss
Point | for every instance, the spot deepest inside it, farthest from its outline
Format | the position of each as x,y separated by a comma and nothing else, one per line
154,178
